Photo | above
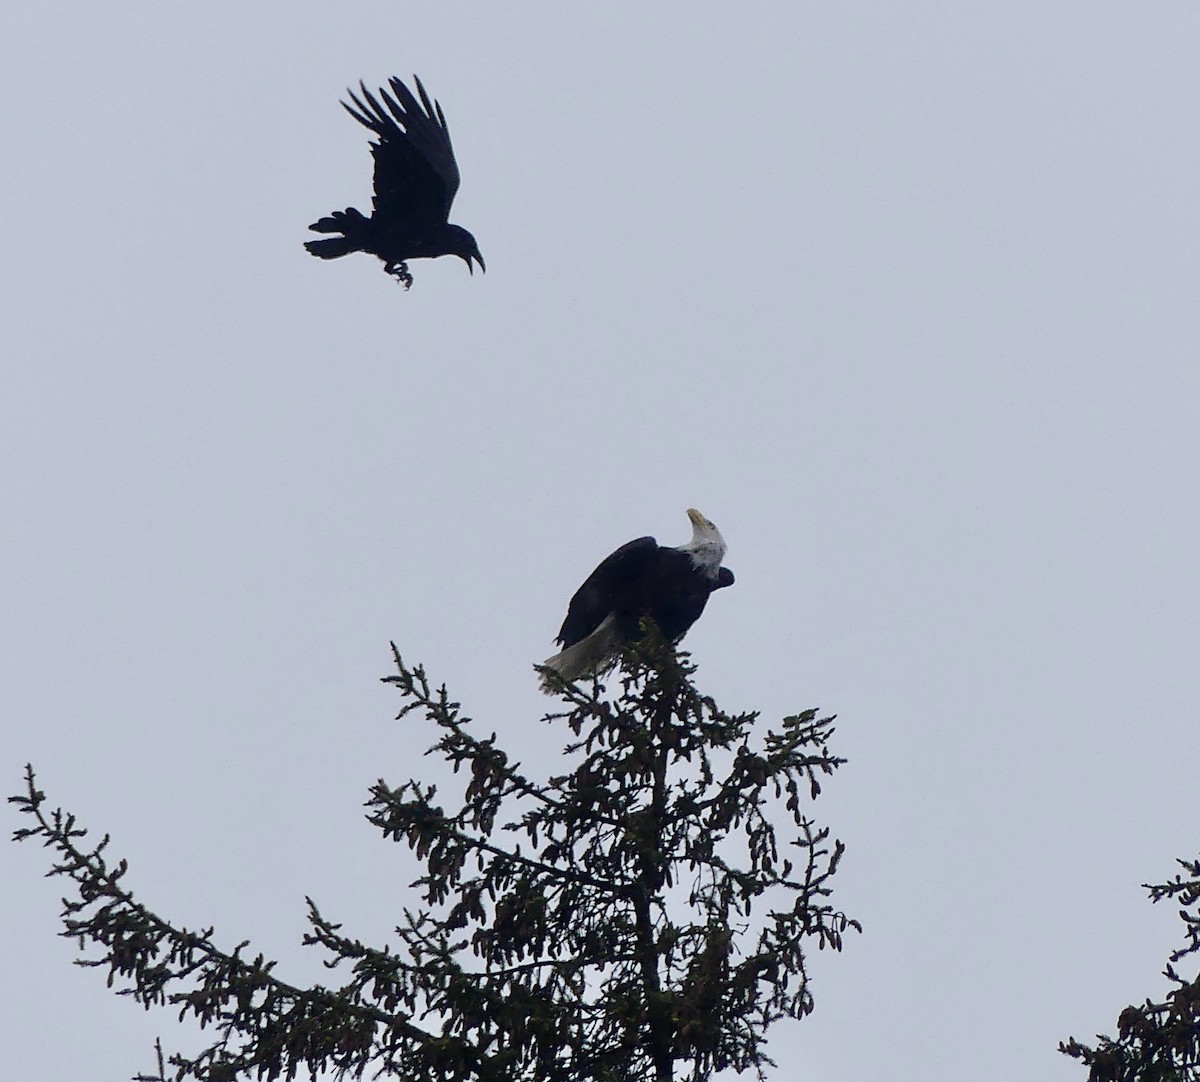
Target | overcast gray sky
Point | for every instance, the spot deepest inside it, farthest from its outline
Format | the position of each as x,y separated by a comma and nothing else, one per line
902,296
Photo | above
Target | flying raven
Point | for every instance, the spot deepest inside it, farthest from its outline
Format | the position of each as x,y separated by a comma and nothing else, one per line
416,177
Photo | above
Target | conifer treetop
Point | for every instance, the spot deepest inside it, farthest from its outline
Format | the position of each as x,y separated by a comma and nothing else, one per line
641,913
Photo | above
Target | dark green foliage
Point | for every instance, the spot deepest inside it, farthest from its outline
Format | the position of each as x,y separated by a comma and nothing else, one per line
634,917
1157,1042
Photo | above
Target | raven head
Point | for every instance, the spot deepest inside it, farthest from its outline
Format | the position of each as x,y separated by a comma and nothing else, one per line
460,243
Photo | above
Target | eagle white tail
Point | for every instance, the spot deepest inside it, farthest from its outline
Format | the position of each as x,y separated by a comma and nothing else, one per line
586,657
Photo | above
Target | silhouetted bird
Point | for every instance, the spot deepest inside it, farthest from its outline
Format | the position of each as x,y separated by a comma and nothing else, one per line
416,177
642,578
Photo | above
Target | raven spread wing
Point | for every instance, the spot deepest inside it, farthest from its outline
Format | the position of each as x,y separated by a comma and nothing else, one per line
416,176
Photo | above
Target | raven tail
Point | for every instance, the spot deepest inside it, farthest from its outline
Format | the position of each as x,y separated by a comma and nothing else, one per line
348,221
331,247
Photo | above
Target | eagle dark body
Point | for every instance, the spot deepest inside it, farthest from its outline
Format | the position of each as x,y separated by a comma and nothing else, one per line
642,578
416,178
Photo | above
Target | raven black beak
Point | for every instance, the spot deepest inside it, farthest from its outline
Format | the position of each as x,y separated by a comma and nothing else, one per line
470,258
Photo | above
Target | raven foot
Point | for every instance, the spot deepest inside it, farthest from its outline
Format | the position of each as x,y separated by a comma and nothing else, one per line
399,271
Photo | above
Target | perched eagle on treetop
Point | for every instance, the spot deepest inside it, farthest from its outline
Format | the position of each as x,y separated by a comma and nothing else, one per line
642,578
416,178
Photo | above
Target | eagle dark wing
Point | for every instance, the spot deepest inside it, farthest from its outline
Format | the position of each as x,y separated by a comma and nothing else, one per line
607,589
416,176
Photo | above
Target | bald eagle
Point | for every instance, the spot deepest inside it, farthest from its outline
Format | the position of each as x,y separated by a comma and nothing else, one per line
416,178
642,578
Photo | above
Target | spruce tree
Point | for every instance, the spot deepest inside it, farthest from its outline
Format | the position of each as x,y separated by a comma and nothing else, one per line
1158,1040
642,914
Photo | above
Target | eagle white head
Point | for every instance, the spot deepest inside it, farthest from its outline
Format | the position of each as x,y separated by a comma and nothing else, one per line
707,546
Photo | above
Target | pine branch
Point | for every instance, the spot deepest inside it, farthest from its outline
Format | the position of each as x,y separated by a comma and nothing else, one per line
266,1027
1156,1041
420,822
459,745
